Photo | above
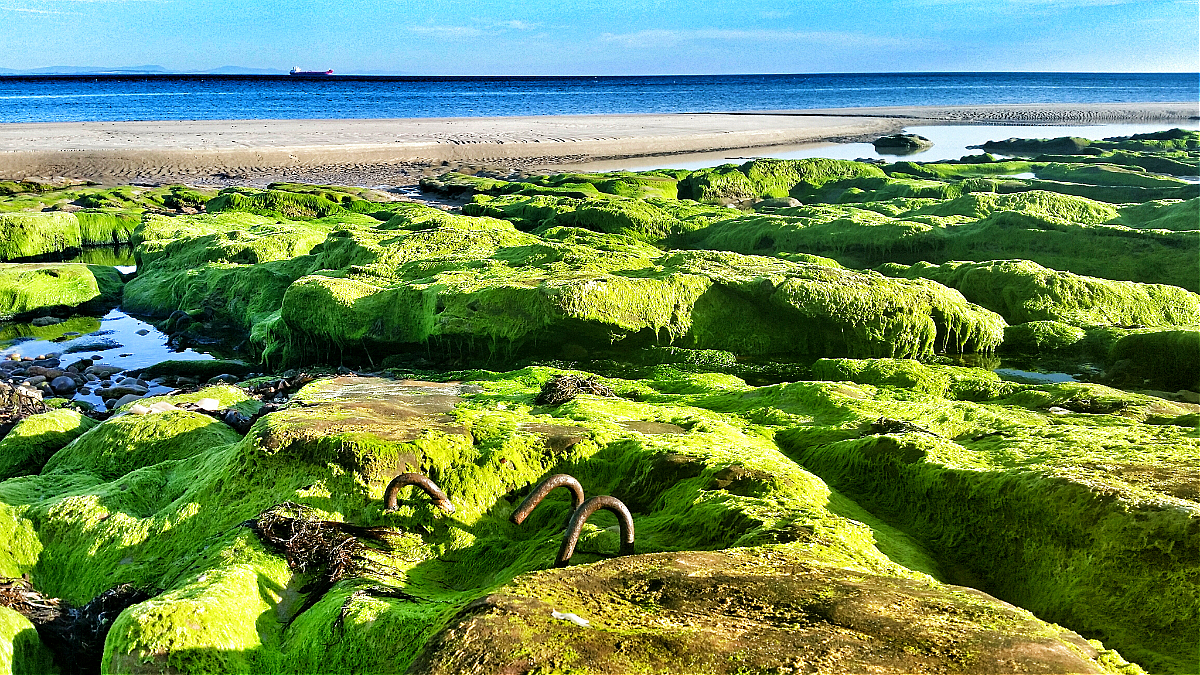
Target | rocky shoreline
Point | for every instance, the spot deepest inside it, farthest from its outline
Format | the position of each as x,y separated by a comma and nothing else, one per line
793,383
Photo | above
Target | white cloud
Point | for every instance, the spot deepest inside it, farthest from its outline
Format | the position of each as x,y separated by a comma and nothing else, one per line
30,10
517,24
650,38
450,32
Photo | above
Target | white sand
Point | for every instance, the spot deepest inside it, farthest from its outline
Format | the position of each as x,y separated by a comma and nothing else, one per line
180,150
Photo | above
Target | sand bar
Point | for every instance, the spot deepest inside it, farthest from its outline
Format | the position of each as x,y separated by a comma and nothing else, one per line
182,149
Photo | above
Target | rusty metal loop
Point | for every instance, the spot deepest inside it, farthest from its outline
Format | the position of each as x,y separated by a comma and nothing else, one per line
624,518
546,487
393,489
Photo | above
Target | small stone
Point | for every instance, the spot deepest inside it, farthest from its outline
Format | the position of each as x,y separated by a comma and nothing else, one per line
126,399
124,355
139,409
102,371
14,357
1059,411
162,406
128,390
185,381
36,380
143,332
63,385
224,378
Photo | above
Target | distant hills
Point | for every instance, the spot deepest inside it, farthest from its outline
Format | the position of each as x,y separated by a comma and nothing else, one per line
139,70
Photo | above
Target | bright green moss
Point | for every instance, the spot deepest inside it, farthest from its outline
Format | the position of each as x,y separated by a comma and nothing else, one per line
770,178
34,439
131,441
1039,336
274,203
30,288
1105,174
1160,215
1021,291
31,234
21,650
1169,358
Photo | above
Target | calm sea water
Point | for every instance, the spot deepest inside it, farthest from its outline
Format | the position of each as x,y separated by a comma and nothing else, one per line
172,97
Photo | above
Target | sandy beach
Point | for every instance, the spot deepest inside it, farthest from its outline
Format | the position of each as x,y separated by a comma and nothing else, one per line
400,150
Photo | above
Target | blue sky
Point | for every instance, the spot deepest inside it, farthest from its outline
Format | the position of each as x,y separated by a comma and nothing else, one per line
600,37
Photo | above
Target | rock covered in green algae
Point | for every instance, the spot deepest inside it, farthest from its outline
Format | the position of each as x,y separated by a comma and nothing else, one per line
165,517
744,610
33,288
34,439
21,650
1022,291
1166,358
903,142
427,276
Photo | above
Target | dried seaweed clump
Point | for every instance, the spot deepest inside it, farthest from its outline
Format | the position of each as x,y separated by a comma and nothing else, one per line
75,635
17,403
563,388
329,550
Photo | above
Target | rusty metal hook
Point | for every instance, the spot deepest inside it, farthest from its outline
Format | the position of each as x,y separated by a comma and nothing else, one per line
546,487
393,489
624,518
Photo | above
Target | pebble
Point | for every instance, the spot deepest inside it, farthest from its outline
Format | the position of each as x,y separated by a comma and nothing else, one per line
139,409
127,390
63,385
143,332
126,399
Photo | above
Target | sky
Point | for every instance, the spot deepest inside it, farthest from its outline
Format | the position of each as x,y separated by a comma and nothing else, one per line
605,37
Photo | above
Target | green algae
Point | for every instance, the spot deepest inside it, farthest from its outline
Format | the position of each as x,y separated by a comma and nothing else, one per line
21,650
34,439
1042,336
770,178
713,480
696,455
38,288
1022,291
32,234
1169,358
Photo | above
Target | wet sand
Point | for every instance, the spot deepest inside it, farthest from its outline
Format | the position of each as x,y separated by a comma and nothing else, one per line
399,151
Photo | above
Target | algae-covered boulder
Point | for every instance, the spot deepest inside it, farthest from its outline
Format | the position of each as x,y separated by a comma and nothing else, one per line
32,234
1022,291
769,178
38,288
747,610
25,234
159,500
34,439
522,297
21,650
901,143
1038,336
1165,358
971,384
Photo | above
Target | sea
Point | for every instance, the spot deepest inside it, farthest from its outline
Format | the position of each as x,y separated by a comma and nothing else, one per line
111,98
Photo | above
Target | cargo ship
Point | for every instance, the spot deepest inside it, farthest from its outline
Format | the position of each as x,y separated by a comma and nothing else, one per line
297,71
